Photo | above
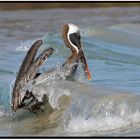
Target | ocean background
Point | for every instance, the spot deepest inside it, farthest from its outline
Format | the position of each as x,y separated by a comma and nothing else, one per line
108,104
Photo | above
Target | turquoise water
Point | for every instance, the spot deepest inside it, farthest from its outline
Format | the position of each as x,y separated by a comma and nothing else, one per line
103,106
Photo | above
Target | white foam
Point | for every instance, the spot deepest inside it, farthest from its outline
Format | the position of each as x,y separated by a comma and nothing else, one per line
55,94
79,124
24,46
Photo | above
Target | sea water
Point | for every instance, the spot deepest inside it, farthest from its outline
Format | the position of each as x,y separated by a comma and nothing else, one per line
107,105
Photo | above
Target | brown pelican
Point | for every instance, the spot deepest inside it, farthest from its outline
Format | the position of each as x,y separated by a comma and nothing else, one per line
29,67
72,38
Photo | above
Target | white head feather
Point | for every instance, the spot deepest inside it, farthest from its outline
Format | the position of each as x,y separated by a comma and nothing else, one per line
72,29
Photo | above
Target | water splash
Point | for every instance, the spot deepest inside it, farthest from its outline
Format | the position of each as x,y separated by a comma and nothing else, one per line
98,125
113,58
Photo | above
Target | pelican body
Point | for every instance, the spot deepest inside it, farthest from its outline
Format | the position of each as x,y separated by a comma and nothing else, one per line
28,70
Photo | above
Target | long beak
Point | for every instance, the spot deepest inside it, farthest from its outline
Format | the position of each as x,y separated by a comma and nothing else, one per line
83,60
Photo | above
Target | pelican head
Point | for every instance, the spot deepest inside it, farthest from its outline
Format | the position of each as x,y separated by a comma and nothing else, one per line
72,39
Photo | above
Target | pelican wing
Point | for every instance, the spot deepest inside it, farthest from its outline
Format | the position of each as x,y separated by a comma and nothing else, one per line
29,72
29,75
29,58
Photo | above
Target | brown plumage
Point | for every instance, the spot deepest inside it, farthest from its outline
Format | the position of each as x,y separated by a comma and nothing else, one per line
74,43
28,71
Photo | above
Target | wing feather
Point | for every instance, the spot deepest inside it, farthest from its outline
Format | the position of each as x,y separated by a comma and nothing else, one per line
20,80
